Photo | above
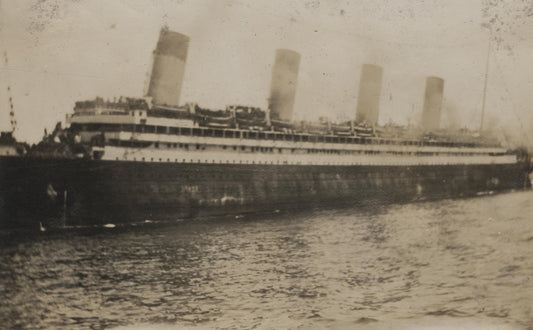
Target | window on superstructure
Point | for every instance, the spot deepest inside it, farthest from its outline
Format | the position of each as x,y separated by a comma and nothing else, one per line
156,144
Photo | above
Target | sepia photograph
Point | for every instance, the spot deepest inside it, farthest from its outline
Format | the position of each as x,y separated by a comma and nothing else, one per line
266,164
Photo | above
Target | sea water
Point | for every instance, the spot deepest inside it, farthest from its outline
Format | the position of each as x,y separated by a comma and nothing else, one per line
449,264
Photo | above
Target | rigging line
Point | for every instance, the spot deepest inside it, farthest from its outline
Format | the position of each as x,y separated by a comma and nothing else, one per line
46,72
485,85
513,105
400,43
308,25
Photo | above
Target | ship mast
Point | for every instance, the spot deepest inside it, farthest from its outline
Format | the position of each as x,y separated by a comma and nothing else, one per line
10,98
485,87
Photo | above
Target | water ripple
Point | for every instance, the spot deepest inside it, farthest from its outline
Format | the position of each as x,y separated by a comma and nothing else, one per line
404,266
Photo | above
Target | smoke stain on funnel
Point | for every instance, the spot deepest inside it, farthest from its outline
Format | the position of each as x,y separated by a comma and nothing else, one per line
433,95
283,84
173,44
168,68
369,94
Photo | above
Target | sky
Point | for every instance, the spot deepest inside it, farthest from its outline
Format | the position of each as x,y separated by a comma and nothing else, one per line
62,51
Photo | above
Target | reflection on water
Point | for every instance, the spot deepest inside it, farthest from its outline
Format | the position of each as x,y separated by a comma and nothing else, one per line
454,264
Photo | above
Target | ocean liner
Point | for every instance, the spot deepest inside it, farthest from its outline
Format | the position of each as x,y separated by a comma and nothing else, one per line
150,158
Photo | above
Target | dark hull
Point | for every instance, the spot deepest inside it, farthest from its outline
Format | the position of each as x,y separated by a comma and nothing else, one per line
86,192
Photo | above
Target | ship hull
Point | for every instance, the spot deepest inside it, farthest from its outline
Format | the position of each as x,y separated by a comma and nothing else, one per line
72,192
